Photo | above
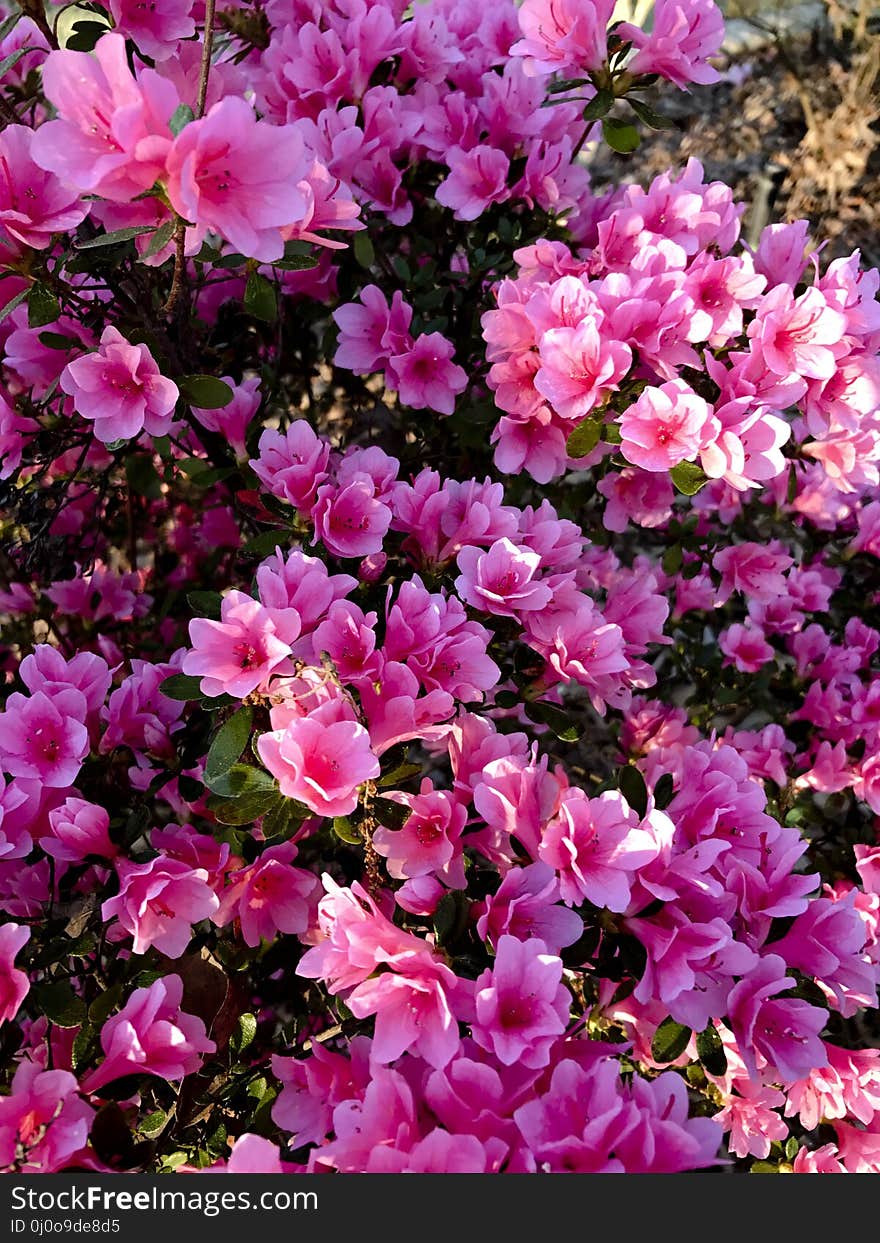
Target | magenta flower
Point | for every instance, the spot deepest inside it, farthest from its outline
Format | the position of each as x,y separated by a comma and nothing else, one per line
684,34
430,840
156,27
411,1003
522,1006
425,376
596,846
800,337
14,984
44,1123
745,647
121,388
503,580
151,1036
239,653
111,136
240,177
477,178
34,203
78,829
158,903
665,426
270,897
371,331
782,1031
43,737
320,765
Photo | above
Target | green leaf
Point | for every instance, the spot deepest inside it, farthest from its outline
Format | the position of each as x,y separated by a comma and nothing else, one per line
181,686
248,807
672,559
688,478
58,341
59,1003
632,786
390,813
241,779
655,120
206,603
228,743
264,544
260,299
664,791
13,58
153,1123
243,1035
791,490
445,917
296,263
14,302
102,1007
555,718
670,1041
346,831
205,392
8,24
282,821
143,479
43,307
116,237
791,1148
620,136
585,437
180,118
763,1167
160,239
83,1046
711,1052
601,103
399,774
364,250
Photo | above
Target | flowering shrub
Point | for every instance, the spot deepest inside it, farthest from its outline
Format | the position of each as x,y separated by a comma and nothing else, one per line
440,622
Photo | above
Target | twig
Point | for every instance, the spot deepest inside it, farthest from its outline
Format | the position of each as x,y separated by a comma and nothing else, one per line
201,98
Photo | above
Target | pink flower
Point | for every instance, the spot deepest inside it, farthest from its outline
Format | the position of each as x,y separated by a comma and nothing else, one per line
14,984
43,737
522,1006
44,1123
78,829
783,1032
121,388
665,426
151,1036
239,653
526,906
34,204
156,28
563,35
430,840
501,581
425,375
158,902
745,647
684,34
372,331
477,178
596,845
293,464
269,897
350,519
240,177
798,336
321,765
111,137
579,368
411,1003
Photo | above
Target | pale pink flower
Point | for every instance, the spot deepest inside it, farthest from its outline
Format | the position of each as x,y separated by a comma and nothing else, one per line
44,1123
79,828
350,518
798,336
239,653
596,846
111,137
320,765
563,35
14,984
665,426
121,388
580,367
158,903
151,1035
503,580
240,177
270,896
684,34
293,464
